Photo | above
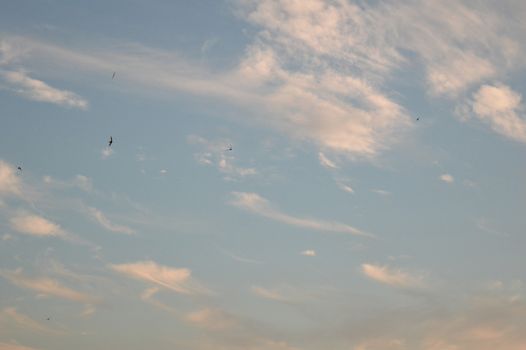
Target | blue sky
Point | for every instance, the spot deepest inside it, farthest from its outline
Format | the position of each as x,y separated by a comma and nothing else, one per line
337,221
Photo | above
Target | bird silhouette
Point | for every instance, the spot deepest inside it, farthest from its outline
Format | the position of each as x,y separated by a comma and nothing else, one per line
113,76
229,148
417,119
19,168
110,141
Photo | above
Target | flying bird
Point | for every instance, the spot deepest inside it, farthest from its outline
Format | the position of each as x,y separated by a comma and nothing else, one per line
418,118
47,319
113,76
110,141
19,168
229,148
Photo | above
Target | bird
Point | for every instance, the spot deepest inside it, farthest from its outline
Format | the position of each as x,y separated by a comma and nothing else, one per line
110,141
113,76
19,168
47,319
418,118
229,148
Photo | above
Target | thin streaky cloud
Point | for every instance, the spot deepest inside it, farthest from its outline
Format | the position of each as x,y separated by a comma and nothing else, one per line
38,90
326,162
107,224
175,279
256,204
392,277
14,346
48,287
26,322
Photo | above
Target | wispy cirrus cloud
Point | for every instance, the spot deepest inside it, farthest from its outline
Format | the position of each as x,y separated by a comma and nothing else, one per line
14,346
47,287
392,277
107,224
25,322
254,203
175,279
38,90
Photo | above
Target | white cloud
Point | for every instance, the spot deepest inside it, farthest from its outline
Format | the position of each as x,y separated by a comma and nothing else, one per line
392,277
254,203
107,224
326,162
35,225
501,108
37,90
211,319
24,321
309,252
106,152
216,153
79,181
381,192
175,279
320,71
269,294
14,346
448,178
10,183
48,287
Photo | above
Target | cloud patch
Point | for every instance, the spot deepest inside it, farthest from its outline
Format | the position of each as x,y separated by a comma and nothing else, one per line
499,107
47,287
36,226
256,204
391,277
38,90
107,224
174,279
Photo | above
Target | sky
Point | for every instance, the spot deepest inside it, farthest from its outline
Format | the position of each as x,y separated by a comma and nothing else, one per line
284,175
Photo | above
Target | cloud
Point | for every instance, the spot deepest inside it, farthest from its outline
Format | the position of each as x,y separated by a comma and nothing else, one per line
106,152
323,71
215,153
36,226
79,181
447,178
381,192
24,321
107,224
14,346
326,162
287,293
10,184
211,319
343,185
392,277
269,294
309,252
499,107
254,203
174,279
37,90
48,287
